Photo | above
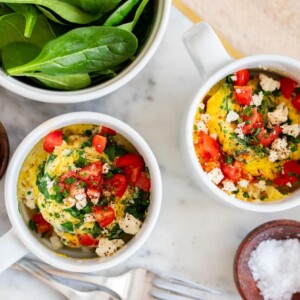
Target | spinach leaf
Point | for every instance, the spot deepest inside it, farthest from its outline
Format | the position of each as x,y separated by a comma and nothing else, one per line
120,13
67,82
29,12
115,233
130,26
139,206
4,10
104,48
96,231
18,53
48,14
65,10
113,151
67,226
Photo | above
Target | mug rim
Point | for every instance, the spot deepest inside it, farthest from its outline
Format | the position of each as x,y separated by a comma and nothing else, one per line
93,92
32,242
199,173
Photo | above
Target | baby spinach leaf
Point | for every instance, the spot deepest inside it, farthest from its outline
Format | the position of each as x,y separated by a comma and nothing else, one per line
130,26
67,82
104,48
67,227
29,12
4,9
18,53
48,14
120,13
65,10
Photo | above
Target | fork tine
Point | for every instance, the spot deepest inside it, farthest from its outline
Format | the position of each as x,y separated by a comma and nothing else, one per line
187,283
178,289
166,296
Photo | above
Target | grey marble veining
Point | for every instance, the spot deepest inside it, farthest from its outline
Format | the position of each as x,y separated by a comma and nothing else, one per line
195,236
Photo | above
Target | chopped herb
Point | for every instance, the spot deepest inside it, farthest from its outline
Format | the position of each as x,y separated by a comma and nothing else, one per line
65,138
229,160
67,226
113,151
73,212
32,225
248,122
28,193
57,215
115,233
201,110
70,180
88,132
96,231
195,127
87,143
246,195
262,198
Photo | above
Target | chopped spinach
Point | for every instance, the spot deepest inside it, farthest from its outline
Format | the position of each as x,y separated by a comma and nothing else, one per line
113,151
67,226
115,233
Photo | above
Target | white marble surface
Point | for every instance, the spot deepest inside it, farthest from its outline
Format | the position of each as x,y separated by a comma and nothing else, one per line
195,236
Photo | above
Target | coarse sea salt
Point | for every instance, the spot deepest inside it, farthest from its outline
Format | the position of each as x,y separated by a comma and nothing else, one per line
275,266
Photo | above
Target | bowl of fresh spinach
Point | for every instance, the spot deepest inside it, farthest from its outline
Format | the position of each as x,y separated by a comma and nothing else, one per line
66,51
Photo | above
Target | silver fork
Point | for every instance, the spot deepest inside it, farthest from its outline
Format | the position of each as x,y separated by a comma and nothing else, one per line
139,284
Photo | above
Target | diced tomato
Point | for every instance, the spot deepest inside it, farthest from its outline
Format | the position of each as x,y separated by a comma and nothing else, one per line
233,172
296,102
77,189
42,225
243,94
93,194
266,138
108,131
104,215
52,140
254,121
242,77
287,86
291,166
144,182
87,240
284,179
99,143
118,184
92,174
69,174
208,146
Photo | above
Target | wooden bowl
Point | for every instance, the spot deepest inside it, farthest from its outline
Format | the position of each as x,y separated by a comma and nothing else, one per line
278,230
4,150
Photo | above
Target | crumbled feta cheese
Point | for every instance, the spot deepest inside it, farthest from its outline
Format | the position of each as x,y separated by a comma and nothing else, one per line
229,186
202,106
56,242
205,118
214,135
105,168
268,84
201,126
81,203
89,218
29,199
261,185
66,152
233,78
238,91
279,150
129,224
215,175
279,115
232,116
50,183
239,130
289,184
69,202
108,247
243,183
257,98
292,130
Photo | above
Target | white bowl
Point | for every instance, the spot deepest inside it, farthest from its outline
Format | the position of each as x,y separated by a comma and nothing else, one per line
214,64
161,17
8,249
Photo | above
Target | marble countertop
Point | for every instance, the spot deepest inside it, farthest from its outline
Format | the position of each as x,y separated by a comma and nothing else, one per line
195,236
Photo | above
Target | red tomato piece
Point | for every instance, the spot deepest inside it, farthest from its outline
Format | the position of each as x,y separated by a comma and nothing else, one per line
118,184
266,138
233,172
291,166
130,160
143,182
296,102
92,174
108,131
93,194
209,147
104,215
254,121
287,86
77,189
242,77
99,143
132,174
69,174
52,140
284,179
87,240
42,225
243,94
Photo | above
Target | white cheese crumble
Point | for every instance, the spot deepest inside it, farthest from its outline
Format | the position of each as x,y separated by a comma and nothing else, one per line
105,168
279,115
50,183
292,130
202,106
201,126
129,224
215,175
81,203
229,186
239,130
289,184
56,242
268,84
108,247
233,78
88,218
257,98
275,265
261,185
205,118
66,152
231,116
279,150
29,199
69,202
243,183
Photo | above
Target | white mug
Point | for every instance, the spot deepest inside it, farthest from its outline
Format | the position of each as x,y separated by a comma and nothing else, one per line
20,240
214,64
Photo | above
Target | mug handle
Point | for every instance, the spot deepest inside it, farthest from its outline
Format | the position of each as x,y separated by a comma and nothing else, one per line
11,250
206,49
